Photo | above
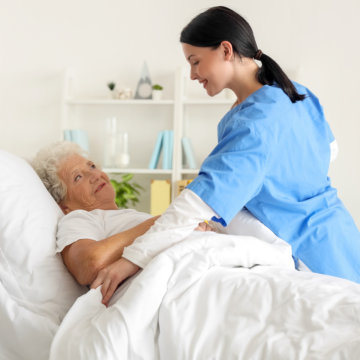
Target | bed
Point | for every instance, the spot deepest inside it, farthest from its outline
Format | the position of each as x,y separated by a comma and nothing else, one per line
211,296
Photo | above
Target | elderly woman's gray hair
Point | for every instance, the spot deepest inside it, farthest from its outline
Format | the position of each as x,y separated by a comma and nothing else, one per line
46,164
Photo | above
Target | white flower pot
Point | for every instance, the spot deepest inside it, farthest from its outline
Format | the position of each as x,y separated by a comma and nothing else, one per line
157,94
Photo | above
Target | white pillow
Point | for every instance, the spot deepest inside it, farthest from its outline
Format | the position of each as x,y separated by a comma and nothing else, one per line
33,277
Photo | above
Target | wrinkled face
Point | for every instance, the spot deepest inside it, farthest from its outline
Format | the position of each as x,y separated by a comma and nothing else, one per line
209,66
88,188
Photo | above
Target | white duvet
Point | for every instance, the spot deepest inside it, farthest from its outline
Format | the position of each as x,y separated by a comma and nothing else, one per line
215,296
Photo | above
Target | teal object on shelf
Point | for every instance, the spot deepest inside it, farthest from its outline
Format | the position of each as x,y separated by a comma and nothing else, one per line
77,136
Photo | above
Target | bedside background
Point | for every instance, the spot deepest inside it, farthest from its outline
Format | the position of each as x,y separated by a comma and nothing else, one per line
316,41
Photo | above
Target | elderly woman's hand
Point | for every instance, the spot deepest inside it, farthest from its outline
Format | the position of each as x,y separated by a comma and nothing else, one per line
204,226
112,276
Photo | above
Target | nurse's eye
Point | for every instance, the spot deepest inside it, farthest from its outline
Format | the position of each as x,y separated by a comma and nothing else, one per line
195,63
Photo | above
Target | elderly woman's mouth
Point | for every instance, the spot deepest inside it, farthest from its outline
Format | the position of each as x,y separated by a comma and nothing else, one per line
100,187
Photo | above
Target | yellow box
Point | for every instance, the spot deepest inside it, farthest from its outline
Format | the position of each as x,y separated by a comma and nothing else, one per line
160,196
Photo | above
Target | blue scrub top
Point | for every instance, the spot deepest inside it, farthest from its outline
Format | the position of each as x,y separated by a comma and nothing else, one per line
272,157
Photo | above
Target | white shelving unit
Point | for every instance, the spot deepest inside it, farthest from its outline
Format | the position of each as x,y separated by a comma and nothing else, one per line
179,122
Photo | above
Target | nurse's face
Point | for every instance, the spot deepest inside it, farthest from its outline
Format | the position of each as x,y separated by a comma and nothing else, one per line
211,67
88,188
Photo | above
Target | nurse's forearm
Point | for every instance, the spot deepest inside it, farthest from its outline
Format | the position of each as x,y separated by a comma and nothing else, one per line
178,221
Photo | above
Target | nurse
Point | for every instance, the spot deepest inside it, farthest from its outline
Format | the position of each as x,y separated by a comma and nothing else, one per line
272,158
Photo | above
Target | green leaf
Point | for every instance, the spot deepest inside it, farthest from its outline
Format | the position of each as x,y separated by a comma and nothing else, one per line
126,192
127,177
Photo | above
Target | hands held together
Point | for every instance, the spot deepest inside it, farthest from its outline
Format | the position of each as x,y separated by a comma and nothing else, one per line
114,274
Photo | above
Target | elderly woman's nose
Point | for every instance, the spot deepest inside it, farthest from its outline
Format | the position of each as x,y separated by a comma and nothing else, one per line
94,176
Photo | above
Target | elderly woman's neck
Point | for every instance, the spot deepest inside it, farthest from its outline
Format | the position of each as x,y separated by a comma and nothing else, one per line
68,208
111,206
107,206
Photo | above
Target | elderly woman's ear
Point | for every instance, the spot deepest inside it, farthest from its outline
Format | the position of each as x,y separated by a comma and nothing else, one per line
64,208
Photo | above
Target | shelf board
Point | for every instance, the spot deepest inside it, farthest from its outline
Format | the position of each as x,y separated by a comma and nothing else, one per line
147,171
117,102
136,171
189,171
207,102
147,102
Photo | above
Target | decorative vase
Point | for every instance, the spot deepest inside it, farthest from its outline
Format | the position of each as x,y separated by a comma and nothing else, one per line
122,157
116,149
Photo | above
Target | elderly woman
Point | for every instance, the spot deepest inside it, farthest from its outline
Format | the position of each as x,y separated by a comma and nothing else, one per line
94,231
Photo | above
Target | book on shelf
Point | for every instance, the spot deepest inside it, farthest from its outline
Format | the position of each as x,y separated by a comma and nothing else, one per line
160,196
164,144
77,136
189,153
181,185
156,152
168,149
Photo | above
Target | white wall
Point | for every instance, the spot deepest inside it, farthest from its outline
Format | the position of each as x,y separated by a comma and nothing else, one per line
110,40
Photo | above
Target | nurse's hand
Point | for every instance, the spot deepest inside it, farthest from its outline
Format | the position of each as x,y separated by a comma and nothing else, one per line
112,276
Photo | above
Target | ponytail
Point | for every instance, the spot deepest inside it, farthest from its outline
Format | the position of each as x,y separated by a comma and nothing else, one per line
219,23
271,72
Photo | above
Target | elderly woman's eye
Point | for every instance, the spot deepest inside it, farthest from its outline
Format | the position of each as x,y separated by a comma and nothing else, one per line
77,177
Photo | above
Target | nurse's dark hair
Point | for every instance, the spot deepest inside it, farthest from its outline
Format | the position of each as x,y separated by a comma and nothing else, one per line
220,23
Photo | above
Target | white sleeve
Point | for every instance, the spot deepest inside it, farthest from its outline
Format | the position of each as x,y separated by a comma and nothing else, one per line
334,150
76,225
179,220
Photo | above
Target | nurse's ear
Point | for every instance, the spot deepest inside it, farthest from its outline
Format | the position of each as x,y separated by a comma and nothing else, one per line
227,50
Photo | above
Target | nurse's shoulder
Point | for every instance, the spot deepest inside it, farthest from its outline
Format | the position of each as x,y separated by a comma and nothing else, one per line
311,102
261,106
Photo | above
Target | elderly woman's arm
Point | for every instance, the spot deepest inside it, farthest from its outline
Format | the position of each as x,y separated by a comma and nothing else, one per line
85,258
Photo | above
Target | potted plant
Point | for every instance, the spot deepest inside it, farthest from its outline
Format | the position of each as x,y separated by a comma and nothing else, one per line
126,191
112,87
157,92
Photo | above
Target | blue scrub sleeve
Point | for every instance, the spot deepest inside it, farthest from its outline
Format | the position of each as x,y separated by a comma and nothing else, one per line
234,171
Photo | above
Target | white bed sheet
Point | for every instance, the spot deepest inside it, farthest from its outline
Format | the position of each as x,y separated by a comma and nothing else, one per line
204,299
